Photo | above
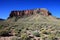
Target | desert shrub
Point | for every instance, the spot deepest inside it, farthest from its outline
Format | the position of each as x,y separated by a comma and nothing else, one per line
18,33
58,33
24,36
1,26
37,34
52,37
4,33
17,18
44,31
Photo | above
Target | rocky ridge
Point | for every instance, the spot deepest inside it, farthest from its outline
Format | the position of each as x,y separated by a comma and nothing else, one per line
22,13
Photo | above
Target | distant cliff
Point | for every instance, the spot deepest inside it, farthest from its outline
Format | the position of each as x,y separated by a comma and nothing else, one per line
22,13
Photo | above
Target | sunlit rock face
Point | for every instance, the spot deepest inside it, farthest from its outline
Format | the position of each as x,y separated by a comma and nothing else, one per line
22,13
45,12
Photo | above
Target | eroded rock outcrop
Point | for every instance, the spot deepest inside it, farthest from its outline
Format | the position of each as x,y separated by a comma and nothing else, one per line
22,13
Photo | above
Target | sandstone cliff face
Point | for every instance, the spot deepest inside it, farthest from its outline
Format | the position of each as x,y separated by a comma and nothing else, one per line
30,12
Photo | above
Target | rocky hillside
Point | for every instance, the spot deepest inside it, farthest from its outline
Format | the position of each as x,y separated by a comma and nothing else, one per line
35,24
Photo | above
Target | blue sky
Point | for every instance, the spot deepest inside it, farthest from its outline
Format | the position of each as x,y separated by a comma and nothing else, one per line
6,6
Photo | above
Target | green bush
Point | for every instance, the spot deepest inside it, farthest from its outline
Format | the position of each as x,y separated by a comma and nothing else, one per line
37,34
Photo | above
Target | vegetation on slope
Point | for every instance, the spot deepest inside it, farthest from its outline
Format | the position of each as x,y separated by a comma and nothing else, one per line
32,27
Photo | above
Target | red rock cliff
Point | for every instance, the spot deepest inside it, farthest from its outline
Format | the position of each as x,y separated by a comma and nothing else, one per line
43,11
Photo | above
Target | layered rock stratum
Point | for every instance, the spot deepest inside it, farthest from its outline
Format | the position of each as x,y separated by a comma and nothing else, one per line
22,13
